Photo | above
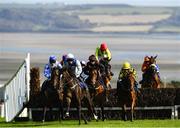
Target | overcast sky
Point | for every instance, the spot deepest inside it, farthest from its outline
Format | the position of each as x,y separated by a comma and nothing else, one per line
131,2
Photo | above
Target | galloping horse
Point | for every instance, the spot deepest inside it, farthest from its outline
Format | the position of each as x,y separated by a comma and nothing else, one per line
97,90
151,78
52,93
72,89
127,94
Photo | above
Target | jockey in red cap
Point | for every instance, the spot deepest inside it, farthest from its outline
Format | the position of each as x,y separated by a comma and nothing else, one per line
102,51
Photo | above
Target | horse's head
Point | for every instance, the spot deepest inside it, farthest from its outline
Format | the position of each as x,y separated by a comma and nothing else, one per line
152,59
152,67
151,71
67,78
107,78
93,76
55,77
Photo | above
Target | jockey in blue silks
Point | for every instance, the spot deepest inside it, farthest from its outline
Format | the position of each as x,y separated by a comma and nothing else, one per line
48,67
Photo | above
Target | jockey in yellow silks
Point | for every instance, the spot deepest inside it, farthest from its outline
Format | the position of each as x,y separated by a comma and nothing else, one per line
126,68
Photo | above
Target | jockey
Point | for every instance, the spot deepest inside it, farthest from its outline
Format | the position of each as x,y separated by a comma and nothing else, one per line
48,67
101,51
126,68
83,75
104,65
75,68
73,65
92,64
83,64
146,64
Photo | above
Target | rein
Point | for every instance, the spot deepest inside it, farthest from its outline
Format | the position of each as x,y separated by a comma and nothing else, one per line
71,80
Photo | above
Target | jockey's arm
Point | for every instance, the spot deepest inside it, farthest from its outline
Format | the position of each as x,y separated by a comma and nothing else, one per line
97,53
78,69
102,68
134,73
47,71
59,65
120,75
108,54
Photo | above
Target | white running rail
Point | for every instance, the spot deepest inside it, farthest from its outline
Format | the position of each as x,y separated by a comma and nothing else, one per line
17,91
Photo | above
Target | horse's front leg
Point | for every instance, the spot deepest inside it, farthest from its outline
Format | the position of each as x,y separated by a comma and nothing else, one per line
91,106
44,114
102,112
132,108
124,112
68,100
61,115
79,111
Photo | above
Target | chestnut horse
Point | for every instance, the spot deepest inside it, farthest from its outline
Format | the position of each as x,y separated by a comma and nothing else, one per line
97,90
150,77
127,94
72,90
52,93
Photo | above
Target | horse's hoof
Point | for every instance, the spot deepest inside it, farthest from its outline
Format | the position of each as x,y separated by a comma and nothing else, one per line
95,117
104,119
66,115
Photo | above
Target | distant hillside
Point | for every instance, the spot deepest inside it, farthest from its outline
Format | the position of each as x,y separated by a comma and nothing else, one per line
39,20
172,24
87,18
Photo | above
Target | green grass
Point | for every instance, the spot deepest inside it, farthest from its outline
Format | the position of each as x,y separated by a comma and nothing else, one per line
100,124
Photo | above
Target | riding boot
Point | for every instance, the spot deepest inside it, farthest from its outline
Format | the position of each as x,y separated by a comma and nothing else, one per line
143,77
136,87
86,87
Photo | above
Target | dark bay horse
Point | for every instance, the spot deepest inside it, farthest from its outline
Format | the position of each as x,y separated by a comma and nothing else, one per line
72,90
127,94
97,90
151,78
52,93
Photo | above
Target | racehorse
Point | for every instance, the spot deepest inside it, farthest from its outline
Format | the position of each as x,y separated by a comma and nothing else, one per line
151,78
72,89
127,94
97,90
52,93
